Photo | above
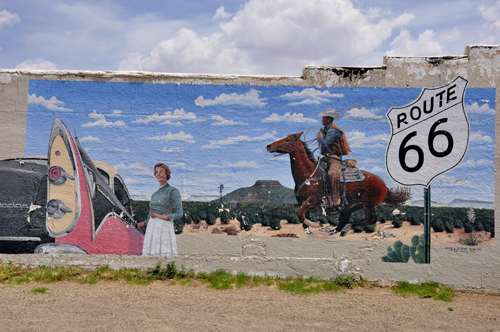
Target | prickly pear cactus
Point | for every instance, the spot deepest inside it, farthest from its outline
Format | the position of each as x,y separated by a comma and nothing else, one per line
417,248
400,253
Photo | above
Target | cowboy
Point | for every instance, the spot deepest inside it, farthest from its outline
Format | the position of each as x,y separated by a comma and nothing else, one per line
333,144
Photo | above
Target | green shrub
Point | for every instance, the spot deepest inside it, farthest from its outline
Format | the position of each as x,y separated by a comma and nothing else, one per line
397,223
449,227
347,280
438,225
370,228
358,229
275,223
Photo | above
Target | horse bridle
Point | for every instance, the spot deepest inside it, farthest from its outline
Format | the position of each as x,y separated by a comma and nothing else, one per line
276,154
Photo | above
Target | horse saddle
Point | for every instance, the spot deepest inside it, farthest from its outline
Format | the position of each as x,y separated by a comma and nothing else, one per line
349,173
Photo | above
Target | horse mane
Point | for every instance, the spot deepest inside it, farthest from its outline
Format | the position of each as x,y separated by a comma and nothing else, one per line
309,153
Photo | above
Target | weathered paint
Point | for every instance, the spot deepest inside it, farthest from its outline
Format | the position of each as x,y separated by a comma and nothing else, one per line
460,266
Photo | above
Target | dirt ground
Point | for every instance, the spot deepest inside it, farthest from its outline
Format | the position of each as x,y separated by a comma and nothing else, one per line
110,306
403,234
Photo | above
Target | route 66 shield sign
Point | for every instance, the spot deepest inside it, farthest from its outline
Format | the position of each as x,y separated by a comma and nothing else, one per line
429,136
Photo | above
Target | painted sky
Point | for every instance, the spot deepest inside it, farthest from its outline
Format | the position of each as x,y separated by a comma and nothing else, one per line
276,37
216,134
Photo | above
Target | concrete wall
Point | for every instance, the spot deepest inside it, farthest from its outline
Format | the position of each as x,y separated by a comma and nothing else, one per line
467,267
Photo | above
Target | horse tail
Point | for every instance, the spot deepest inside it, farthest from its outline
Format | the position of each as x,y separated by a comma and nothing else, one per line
397,196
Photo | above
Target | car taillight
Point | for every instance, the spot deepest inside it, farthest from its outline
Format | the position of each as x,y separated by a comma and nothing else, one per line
55,173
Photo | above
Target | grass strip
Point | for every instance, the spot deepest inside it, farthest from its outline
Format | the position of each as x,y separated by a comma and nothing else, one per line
11,274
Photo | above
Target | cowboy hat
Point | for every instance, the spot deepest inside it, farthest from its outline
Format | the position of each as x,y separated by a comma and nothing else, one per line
329,112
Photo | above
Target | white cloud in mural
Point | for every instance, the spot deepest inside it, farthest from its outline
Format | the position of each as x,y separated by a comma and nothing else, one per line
250,99
219,144
369,161
358,139
426,44
119,150
280,158
181,136
478,136
175,149
101,121
183,166
287,117
240,164
8,19
272,37
52,104
450,180
168,117
363,113
116,113
90,139
37,64
480,162
135,167
310,96
475,108
225,122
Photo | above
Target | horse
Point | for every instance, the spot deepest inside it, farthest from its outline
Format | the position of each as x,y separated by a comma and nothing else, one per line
365,194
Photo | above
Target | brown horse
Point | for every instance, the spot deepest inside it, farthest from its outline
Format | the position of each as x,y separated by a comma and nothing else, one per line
309,191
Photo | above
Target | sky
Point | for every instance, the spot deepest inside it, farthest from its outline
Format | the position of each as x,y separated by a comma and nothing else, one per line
217,134
257,37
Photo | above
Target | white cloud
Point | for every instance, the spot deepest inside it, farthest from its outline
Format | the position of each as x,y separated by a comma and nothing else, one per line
425,45
225,122
240,164
287,117
90,139
364,113
51,104
273,37
251,99
135,167
477,136
8,19
219,144
280,158
221,14
119,150
481,162
182,166
310,96
101,121
475,108
175,149
37,64
490,33
116,113
451,35
181,136
358,139
168,117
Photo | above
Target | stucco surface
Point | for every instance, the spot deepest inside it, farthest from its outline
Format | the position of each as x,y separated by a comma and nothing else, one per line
462,268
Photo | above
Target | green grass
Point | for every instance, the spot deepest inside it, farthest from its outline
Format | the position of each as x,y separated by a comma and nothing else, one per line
39,290
426,290
11,275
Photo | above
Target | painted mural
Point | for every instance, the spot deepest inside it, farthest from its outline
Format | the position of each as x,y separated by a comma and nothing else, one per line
246,161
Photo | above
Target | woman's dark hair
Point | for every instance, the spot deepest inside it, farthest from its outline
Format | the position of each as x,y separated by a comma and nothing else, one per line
165,167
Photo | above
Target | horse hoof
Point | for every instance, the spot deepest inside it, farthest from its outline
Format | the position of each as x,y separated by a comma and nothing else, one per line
307,231
345,230
333,232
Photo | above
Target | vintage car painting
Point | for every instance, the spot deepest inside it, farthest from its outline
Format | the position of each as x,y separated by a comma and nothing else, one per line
65,203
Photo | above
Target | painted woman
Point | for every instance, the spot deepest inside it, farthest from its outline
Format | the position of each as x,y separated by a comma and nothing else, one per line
165,207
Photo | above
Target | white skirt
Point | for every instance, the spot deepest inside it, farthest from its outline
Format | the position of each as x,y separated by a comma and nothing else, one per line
160,238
